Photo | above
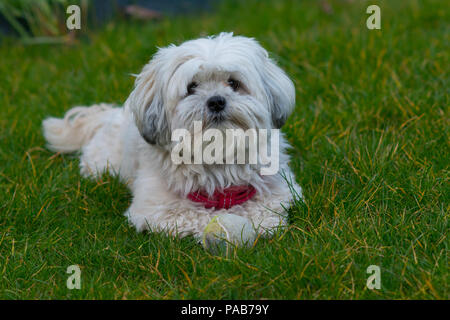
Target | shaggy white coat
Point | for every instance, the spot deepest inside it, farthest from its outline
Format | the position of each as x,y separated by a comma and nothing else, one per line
134,141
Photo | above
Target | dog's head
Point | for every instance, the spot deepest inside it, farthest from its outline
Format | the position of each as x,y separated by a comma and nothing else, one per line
224,81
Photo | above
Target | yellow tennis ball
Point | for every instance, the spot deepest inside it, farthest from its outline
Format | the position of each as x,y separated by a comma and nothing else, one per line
226,232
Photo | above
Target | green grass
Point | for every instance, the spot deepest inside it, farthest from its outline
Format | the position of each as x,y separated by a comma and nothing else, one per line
370,136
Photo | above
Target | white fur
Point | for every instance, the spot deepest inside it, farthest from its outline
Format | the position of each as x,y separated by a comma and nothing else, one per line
134,141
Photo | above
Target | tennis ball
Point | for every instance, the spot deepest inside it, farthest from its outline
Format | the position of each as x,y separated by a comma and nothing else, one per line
226,232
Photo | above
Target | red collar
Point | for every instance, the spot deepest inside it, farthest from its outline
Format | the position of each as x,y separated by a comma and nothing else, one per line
225,198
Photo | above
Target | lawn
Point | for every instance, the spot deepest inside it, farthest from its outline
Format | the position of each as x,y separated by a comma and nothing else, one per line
370,137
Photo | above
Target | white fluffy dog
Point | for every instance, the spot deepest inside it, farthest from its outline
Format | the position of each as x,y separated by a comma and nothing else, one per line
225,81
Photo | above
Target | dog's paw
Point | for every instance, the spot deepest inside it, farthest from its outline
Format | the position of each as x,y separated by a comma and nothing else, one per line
226,232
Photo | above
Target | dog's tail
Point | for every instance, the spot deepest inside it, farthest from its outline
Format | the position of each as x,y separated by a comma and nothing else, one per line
78,126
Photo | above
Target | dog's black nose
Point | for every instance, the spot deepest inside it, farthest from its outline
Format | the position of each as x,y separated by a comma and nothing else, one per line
216,103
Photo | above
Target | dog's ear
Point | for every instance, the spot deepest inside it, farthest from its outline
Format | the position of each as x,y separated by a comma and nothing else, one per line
280,91
155,128
146,103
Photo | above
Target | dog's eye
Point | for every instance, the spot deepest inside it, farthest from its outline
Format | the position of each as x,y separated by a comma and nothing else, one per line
191,87
234,84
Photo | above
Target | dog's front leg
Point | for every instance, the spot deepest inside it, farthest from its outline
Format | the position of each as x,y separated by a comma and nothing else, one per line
212,230
157,209
167,217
